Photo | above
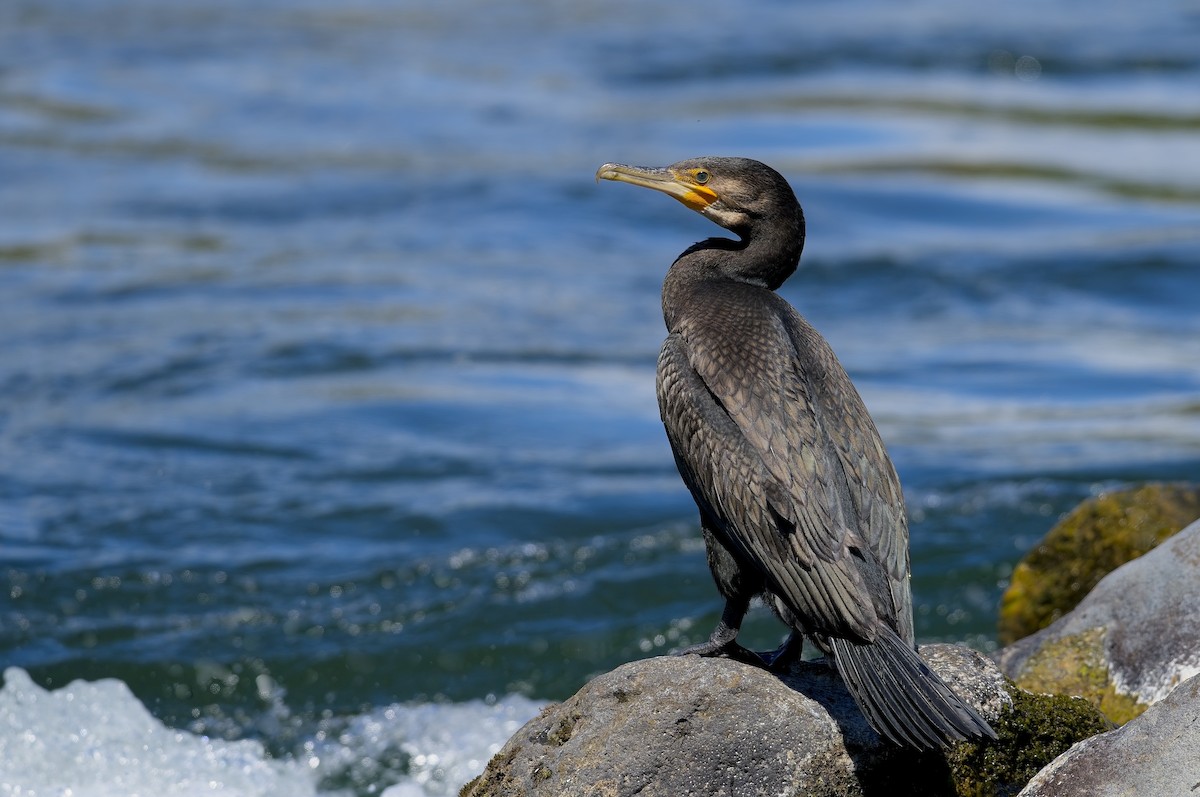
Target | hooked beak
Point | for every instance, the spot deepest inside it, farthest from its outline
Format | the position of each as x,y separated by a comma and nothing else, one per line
677,184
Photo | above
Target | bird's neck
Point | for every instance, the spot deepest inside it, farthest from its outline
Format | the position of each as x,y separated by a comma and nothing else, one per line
763,258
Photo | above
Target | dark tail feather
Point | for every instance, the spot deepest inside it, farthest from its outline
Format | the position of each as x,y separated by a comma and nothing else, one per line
902,699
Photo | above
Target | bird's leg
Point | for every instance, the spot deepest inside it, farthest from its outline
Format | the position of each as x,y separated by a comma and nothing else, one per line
785,655
723,640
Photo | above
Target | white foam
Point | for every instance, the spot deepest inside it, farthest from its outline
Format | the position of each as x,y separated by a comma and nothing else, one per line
442,745
96,739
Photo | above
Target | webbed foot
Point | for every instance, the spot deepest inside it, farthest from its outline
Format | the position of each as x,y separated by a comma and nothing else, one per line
723,640
782,658
726,649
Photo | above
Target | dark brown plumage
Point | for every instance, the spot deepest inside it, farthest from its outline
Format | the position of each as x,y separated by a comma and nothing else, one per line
799,502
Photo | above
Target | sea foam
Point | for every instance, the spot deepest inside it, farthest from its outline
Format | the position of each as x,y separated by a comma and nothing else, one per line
96,739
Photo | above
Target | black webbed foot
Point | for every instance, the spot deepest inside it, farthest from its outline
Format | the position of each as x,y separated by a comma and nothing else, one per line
723,640
783,657
729,649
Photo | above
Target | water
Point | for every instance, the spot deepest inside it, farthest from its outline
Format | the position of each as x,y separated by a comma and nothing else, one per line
328,443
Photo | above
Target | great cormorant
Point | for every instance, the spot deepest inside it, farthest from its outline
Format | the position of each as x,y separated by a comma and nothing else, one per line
799,502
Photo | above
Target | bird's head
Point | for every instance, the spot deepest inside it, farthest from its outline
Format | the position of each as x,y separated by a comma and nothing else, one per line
744,196
736,193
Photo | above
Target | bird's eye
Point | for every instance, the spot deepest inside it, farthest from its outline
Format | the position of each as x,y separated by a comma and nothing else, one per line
701,176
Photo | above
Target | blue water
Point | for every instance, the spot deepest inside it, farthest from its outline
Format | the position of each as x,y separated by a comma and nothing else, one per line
328,368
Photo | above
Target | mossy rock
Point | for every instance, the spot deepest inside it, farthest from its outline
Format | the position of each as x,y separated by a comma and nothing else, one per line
1032,732
686,725
1075,665
1100,535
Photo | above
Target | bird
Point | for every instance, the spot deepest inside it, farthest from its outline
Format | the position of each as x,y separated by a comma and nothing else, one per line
799,503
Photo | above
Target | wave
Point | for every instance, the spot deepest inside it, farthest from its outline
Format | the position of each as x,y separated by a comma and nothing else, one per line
96,738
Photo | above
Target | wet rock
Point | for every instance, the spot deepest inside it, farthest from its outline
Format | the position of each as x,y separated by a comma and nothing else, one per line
1100,535
692,726
1129,643
1156,754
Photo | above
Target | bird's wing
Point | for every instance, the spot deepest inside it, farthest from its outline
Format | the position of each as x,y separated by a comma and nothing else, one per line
750,419
871,481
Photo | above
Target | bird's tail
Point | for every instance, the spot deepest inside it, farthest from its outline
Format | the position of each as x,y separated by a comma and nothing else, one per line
902,699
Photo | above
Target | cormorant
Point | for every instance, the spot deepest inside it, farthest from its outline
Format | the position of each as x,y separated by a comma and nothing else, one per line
799,502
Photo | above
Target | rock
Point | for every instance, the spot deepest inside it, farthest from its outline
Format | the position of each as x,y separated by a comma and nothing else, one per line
1130,642
1156,754
1036,729
691,726
1100,535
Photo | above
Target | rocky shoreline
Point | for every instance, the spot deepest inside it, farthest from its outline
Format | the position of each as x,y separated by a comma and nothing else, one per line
1104,700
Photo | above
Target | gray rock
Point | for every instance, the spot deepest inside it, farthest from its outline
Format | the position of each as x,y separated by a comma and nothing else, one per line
1155,755
691,726
1129,642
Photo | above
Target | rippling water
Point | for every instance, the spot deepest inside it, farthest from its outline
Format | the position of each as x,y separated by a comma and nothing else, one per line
328,408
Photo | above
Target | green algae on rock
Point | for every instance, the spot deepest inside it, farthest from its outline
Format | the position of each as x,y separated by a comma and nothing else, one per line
1075,664
1129,643
686,725
1097,537
1157,753
1032,732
